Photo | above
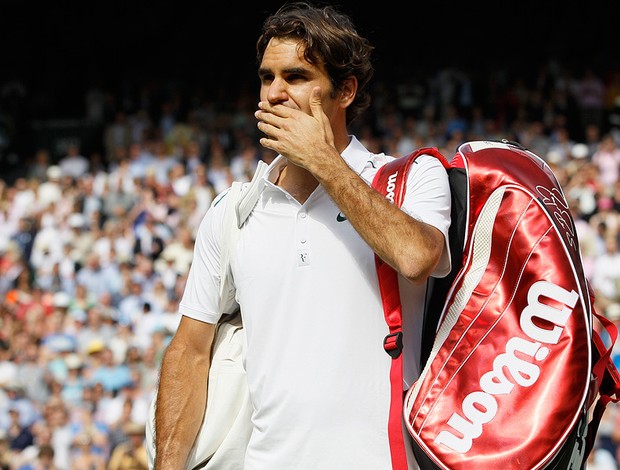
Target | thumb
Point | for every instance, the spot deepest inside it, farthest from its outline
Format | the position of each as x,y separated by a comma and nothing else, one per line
316,109
315,101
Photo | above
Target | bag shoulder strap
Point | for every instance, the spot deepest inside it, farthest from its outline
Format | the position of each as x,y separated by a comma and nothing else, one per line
251,192
395,173
229,235
242,198
390,181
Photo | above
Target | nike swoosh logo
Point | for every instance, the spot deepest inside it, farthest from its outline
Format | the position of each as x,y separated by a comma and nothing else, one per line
340,217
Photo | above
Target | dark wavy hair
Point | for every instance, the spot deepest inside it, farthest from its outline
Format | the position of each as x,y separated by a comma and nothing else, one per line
330,39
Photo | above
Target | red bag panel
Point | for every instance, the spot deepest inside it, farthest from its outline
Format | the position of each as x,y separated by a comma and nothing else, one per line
541,372
510,379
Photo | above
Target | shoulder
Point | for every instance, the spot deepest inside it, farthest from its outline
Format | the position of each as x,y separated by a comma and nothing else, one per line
427,171
422,163
217,200
374,162
214,216
429,162
380,159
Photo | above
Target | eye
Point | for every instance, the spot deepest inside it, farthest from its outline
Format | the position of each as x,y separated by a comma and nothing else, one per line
266,79
296,77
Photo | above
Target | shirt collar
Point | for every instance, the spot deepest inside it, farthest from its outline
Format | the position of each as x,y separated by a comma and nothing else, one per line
356,156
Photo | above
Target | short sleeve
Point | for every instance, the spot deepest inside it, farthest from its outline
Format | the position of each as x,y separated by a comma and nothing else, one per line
428,199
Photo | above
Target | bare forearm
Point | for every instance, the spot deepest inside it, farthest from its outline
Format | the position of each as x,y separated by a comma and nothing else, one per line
412,247
180,407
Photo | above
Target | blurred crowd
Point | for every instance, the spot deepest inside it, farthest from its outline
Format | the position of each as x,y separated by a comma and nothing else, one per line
95,246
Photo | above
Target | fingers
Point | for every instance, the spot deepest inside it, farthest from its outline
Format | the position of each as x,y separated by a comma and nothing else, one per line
290,130
268,126
270,140
277,110
269,121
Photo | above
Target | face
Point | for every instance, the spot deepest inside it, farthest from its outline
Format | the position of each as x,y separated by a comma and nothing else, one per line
288,79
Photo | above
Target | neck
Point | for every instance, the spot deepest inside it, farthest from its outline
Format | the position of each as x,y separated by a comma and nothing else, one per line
297,181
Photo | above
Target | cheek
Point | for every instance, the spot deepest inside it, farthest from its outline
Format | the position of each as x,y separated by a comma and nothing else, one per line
300,99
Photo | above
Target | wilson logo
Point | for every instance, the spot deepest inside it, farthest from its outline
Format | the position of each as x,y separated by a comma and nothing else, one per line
391,186
480,407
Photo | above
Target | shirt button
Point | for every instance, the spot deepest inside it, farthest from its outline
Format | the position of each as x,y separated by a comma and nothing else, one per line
302,215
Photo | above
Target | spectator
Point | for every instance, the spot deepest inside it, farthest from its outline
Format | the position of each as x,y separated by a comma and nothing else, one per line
607,161
8,368
117,134
105,371
41,161
78,242
130,455
19,435
131,304
43,461
149,237
74,164
147,324
589,91
243,162
50,191
606,278
57,417
24,237
83,456
6,455
29,360
97,277
73,384
561,145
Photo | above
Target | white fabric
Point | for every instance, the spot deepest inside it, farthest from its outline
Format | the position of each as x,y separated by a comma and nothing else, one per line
225,428
308,291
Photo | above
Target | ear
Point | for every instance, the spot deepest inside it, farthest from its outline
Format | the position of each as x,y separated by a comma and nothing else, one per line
348,91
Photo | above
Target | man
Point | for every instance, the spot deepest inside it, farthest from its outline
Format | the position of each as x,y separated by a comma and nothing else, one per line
303,269
130,454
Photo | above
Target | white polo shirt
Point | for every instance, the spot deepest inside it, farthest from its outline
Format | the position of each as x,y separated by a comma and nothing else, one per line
309,296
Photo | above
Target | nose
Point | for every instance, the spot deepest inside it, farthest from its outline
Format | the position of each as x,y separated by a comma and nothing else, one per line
276,93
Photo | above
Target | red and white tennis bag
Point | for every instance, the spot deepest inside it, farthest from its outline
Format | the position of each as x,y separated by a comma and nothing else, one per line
516,376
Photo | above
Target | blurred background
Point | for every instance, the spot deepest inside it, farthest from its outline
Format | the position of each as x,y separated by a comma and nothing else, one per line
67,66
120,122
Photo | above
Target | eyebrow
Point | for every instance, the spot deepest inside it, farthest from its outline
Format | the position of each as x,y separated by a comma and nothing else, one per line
287,71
